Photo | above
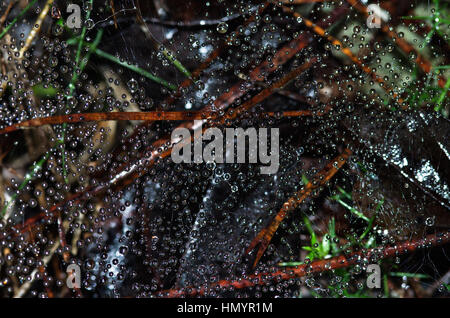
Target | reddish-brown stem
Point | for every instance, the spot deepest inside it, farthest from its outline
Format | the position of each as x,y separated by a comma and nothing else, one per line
41,268
258,98
374,254
320,179
424,29
147,116
111,4
85,117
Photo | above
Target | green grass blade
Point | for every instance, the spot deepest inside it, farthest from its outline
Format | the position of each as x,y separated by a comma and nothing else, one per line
135,69
176,63
416,18
290,264
409,275
442,96
353,210
310,230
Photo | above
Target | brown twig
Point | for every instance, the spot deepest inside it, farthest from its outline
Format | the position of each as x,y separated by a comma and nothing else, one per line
315,267
146,116
268,91
265,236
111,3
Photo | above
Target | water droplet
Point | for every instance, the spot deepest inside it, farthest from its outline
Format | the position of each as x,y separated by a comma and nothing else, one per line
133,85
32,203
53,61
89,24
123,250
57,30
429,221
222,28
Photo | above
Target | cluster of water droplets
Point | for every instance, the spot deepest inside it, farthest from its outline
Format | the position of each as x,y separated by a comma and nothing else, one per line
95,196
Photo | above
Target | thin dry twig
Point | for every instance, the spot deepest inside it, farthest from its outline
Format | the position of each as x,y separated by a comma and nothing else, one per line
320,179
374,254
111,3
146,116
